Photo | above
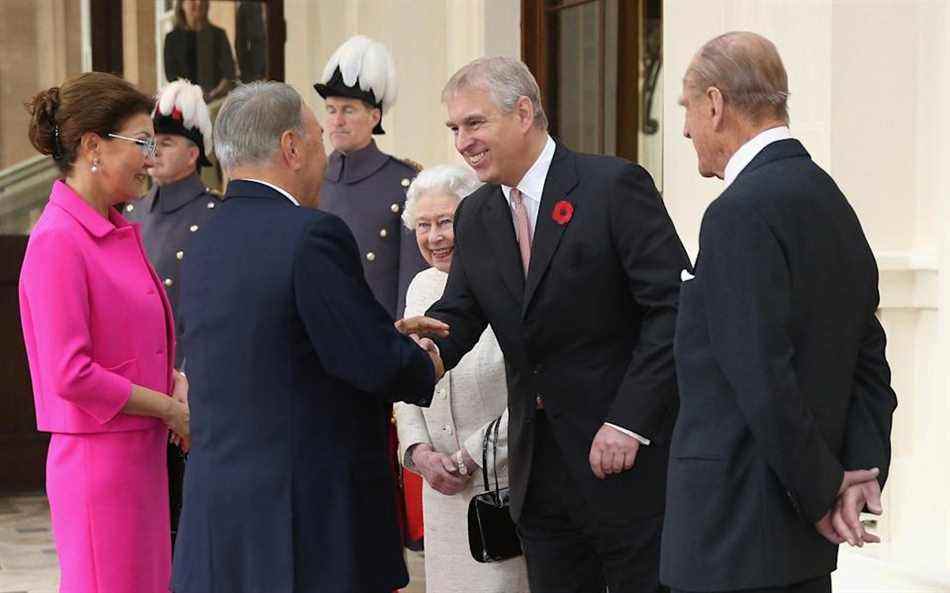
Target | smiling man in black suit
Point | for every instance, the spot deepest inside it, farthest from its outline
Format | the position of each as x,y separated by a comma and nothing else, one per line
783,434
574,262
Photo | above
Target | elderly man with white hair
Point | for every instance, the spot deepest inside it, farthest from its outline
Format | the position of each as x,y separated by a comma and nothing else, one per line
444,443
784,428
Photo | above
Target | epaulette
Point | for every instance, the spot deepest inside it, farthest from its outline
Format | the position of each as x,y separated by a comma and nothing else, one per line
415,165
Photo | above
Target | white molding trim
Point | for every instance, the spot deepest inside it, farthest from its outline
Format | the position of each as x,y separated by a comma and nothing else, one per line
860,573
918,260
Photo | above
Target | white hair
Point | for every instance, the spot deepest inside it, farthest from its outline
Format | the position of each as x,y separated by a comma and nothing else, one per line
252,120
451,180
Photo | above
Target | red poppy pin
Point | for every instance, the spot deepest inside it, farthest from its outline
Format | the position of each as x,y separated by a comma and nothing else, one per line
563,211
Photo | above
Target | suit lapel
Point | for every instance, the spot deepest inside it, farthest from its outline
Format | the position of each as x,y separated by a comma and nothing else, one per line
561,179
496,216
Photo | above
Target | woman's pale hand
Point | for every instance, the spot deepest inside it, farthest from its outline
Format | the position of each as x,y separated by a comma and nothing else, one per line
438,470
180,389
178,420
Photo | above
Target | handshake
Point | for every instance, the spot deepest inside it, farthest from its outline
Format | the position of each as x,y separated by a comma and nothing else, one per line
419,328
859,490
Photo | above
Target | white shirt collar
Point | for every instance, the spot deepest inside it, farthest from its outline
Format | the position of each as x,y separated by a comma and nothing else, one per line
282,191
532,184
748,151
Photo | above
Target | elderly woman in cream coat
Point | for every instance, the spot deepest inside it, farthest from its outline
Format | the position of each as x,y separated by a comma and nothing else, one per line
443,443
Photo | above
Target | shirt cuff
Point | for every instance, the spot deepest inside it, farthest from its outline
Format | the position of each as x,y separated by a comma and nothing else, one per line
629,433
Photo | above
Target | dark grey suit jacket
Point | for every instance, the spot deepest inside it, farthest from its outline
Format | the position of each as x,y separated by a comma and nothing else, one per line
782,378
591,327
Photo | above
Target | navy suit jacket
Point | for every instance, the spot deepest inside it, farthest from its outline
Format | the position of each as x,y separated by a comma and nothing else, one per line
590,330
782,378
292,365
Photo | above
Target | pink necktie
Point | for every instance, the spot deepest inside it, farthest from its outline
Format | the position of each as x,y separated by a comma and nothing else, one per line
523,226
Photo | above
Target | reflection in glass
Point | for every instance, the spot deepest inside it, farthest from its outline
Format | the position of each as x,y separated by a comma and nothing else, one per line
579,78
250,40
197,50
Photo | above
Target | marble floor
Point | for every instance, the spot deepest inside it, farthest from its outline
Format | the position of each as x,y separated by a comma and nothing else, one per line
28,559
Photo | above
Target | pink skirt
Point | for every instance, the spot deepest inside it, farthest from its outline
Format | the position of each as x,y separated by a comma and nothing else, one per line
108,495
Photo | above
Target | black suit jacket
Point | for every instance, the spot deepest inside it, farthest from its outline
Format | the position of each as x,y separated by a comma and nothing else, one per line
591,328
782,376
292,363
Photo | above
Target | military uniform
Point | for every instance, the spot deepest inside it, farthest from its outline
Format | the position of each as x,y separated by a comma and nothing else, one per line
169,216
367,189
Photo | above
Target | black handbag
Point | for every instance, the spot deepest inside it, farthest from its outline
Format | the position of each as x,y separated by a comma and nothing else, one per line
491,532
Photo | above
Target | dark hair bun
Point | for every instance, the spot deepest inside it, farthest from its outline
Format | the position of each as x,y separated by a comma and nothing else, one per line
43,108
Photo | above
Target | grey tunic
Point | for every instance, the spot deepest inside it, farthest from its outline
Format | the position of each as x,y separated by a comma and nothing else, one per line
367,189
169,216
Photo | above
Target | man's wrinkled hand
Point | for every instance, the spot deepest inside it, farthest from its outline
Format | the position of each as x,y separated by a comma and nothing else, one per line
433,351
612,452
842,524
421,325
846,516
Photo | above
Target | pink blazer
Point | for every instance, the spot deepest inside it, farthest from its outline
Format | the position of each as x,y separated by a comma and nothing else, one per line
95,318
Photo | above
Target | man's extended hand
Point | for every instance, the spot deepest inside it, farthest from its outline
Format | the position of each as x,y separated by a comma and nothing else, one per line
612,452
433,351
421,325
438,470
860,480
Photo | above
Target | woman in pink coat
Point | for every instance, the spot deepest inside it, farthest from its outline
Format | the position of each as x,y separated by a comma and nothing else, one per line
100,342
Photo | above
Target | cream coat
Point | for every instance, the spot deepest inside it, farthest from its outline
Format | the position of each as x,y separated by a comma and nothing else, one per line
466,400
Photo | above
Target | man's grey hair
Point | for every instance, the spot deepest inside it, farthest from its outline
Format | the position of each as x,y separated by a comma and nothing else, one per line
449,180
505,79
252,120
747,70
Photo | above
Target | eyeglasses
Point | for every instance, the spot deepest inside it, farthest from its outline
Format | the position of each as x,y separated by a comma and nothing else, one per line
146,145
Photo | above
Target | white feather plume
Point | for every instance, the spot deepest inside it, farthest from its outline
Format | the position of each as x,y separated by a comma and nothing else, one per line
369,61
189,99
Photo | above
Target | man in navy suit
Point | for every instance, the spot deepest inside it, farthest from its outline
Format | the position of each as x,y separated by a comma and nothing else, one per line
784,428
293,365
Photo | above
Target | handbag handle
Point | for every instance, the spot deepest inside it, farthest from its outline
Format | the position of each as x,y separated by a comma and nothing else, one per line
491,439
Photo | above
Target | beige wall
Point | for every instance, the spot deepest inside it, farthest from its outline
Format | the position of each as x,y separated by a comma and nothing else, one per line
41,47
429,40
868,81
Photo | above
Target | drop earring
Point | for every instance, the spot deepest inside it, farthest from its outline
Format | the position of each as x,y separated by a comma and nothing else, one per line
95,166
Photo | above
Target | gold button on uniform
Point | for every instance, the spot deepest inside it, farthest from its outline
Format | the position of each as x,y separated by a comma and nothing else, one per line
383,233
394,208
210,204
180,255
371,256
193,228
168,282
405,182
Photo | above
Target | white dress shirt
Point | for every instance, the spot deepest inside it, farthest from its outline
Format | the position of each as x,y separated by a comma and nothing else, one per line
748,151
531,187
281,190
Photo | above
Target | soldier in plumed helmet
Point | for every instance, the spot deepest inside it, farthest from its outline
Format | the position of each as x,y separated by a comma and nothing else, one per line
174,209
367,188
